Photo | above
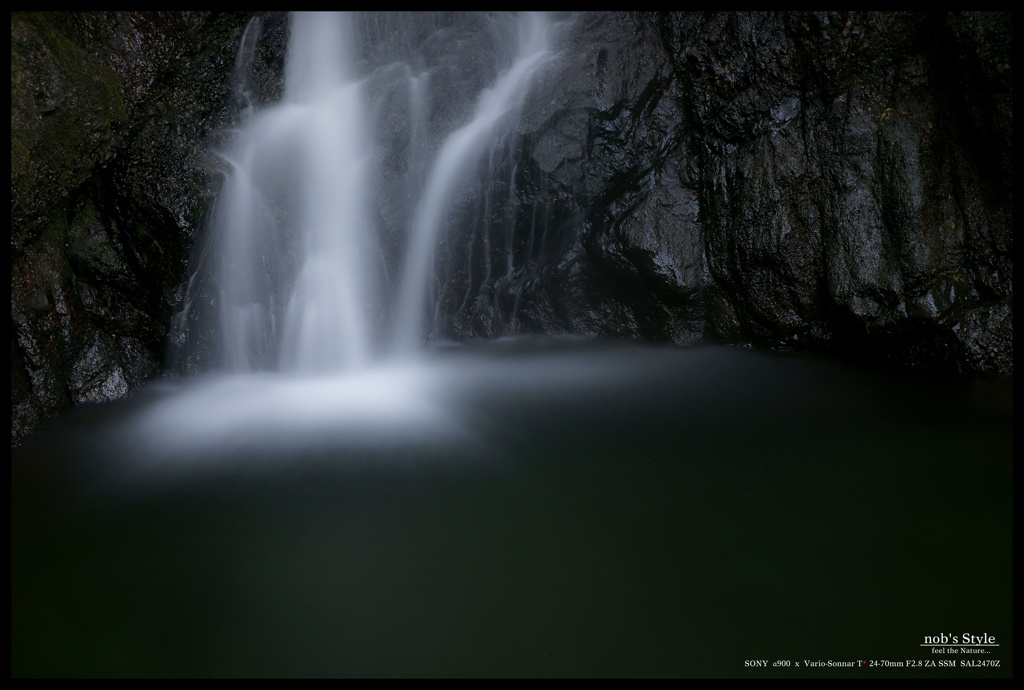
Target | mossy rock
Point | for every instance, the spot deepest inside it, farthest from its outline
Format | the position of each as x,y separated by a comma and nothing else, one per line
67,111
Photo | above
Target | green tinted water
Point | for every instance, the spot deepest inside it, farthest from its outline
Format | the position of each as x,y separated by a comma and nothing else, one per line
599,512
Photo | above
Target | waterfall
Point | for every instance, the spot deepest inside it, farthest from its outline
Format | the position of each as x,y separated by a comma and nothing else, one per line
292,221
459,152
300,280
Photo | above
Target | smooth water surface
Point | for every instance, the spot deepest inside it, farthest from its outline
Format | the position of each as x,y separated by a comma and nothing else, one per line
524,508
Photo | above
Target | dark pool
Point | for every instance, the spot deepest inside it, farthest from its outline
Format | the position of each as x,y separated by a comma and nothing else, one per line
526,508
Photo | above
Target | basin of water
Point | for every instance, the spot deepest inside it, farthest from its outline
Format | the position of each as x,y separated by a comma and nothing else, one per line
517,508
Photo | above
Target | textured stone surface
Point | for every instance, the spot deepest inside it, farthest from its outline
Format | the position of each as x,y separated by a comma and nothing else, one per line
830,180
110,175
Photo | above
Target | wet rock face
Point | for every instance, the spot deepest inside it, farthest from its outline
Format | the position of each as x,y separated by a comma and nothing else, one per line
830,180
846,194
839,181
110,173
850,208
607,233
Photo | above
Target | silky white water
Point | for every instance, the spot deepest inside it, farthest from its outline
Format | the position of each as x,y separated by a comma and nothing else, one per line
313,308
301,282
291,223
494,107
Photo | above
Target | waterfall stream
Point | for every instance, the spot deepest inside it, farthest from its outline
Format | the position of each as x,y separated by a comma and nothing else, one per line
301,283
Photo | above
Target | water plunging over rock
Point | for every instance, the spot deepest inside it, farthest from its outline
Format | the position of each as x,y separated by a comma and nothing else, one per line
301,281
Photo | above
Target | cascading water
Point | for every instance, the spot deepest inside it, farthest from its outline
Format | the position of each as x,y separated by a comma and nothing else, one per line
459,152
312,290
302,284
319,503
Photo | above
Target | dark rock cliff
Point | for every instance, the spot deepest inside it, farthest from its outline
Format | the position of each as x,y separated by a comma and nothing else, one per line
110,114
832,180
838,181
